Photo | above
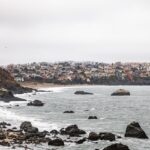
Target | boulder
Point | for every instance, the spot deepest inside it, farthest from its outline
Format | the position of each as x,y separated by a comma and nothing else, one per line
2,136
56,142
92,117
81,141
5,143
117,146
54,132
121,92
107,136
7,96
93,136
72,130
32,130
82,93
35,103
134,130
69,112
25,125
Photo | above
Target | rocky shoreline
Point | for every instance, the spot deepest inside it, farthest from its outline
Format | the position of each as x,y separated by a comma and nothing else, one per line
27,134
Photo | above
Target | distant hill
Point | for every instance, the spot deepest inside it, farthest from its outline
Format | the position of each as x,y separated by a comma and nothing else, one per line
8,82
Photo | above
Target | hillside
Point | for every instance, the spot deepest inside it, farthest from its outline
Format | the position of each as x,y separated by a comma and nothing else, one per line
8,82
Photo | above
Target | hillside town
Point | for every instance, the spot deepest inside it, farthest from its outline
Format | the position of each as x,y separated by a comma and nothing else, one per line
82,73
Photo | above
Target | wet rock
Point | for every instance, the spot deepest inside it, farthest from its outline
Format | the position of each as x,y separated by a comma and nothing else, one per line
2,136
81,141
25,125
56,142
14,128
92,117
32,130
7,96
82,93
54,132
134,130
118,146
121,92
5,124
93,136
36,103
72,130
41,134
5,143
12,135
69,112
107,136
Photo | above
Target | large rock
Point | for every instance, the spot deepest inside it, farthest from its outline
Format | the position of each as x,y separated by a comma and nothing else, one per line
2,136
36,103
72,130
135,130
117,147
7,96
120,92
25,125
93,136
107,136
32,130
92,117
68,112
56,142
82,93
81,141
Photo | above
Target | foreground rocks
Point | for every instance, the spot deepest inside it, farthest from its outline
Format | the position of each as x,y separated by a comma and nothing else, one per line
93,136
121,92
82,93
28,134
134,130
107,136
72,130
36,103
117,147
56,142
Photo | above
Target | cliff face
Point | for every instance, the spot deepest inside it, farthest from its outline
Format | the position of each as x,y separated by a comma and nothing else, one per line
8,82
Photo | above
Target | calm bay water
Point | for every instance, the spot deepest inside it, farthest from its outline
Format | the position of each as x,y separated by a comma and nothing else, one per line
114,113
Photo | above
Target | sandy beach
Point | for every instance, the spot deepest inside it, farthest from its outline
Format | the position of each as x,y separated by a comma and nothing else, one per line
37,85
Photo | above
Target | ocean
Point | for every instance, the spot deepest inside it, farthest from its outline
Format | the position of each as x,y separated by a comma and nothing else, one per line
114,113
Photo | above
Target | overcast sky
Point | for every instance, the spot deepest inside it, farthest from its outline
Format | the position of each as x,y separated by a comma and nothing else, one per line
79,30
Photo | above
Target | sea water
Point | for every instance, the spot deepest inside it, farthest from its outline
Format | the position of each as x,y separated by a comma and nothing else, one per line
114,113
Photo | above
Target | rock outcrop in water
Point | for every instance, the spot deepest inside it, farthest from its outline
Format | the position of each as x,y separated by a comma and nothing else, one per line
117,146
83,93
8,82
56,142
92,117
107,136
93,136
68,112
36,103
72,130
7,96
134,130
121,92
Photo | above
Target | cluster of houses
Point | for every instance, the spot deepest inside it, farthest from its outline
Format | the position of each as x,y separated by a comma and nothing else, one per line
80,72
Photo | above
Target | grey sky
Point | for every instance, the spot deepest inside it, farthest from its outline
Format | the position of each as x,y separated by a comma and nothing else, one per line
80,30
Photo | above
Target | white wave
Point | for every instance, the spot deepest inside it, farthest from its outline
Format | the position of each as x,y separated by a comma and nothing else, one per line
7,115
